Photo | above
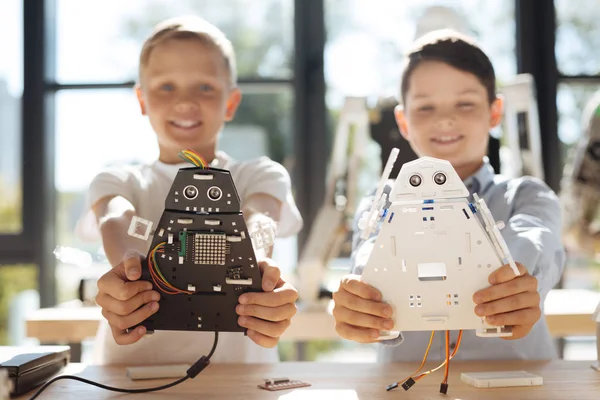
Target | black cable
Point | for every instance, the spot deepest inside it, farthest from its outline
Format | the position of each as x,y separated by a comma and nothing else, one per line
190,373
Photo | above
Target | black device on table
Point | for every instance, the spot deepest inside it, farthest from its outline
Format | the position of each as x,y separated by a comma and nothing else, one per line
31,366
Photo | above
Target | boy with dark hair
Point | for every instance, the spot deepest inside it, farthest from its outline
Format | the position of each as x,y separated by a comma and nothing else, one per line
449,106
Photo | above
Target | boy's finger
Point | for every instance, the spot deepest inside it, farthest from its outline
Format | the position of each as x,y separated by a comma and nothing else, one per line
518,332
508,304
354,285
361,335
528,316
272,329
133,319
524,283
287,311
133,268
356,303
505,274
113,284
270,277
361,320
124,338
128,306
269,299
262,340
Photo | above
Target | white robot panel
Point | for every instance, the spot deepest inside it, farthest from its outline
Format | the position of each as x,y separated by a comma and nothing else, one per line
434,251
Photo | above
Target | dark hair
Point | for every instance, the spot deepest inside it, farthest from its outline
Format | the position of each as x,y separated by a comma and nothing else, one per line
454,49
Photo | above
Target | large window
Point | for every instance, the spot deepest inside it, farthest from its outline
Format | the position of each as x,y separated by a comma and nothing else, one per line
577,37
98,127
11,88
100,41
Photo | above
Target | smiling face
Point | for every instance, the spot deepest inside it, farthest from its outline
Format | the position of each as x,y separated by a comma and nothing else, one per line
447,115
186,92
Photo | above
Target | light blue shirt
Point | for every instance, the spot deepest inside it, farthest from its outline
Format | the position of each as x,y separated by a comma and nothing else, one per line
532,217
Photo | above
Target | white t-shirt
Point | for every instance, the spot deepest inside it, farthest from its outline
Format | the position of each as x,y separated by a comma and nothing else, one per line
146,187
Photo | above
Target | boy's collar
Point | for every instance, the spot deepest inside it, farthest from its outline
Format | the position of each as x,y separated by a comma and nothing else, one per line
481,179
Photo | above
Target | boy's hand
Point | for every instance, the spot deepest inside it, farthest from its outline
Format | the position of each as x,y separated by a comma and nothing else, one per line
121,295
268,314
511,300
359,313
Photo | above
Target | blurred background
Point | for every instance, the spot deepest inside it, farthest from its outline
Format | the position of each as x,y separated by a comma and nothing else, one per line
67,109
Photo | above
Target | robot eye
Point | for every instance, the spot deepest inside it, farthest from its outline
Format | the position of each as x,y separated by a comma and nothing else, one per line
439,178
415,180
214,193
190,192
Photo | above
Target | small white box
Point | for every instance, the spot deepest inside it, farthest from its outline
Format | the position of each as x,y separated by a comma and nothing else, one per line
501,379
157,371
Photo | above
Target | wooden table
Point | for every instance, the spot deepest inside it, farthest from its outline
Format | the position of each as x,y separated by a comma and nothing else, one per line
562,380
567,311
75,324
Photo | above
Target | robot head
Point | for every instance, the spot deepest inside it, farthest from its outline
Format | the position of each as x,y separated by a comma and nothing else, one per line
428,178
203,190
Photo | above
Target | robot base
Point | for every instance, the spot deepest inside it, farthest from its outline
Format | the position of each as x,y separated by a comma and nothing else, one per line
504,331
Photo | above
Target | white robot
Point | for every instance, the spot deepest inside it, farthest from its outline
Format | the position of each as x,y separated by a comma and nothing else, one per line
434,249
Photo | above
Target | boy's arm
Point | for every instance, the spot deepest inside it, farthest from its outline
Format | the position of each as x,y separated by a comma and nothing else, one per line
114,215
534,235
125,301
266,315
261,207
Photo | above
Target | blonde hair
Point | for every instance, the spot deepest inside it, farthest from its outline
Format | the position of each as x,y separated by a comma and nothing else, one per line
191,27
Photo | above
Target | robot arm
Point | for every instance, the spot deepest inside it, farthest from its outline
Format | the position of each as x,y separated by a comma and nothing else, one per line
522,128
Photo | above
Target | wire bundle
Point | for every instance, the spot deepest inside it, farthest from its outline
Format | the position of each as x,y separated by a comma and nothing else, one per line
192,157
157,277
409,381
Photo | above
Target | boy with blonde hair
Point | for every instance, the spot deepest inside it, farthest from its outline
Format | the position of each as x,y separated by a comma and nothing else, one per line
449,106
188,90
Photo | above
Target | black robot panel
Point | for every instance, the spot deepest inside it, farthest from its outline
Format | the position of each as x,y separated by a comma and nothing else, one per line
201,258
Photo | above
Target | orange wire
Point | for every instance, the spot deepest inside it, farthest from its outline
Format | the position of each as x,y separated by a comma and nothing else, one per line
447,371
159,281
424,358
444,363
